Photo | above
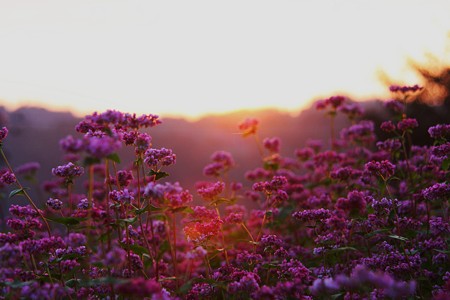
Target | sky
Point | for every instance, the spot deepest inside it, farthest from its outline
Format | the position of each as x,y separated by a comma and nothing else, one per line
191,58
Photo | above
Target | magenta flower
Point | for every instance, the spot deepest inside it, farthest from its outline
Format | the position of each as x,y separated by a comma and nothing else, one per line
3,133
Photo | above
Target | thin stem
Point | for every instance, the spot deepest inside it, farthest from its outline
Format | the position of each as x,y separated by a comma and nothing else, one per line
25,193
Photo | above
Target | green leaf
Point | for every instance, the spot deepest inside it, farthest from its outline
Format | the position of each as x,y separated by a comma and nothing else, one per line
17,192
397,237
342,249
185,209
158,174
72,282
127,220
219,201
140,211
16,284
114,157
442,251
68,221
446,164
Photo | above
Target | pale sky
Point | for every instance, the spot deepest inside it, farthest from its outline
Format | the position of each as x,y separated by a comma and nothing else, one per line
180,57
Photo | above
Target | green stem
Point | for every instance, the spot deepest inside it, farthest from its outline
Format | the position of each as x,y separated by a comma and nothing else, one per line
25,193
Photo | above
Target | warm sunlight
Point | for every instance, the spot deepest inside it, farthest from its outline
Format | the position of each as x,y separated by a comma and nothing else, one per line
191,58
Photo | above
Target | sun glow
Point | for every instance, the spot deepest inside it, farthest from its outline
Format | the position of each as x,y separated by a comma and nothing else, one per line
195,57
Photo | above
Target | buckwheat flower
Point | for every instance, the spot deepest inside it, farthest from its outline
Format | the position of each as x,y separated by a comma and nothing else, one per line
405,89
71,145
203,214
395,105
345,173
312,214
272,144
387,126
7,178
209,191
55,204
248,127
69,170
124,177
28,168
201,291
176,199
384,168
441,151
324,286
304,154
143,121
122,196
334,102
439,226
236,186
361,132
293,269
355,202
26,211
234,218
102,146
213,169
382,207
223,157
389,145
163,156
440,131
116,257
142,143
199,232
75,239
3,134
407,124
437,191
247,284
352,110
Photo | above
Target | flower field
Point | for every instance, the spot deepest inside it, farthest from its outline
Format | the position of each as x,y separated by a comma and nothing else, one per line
354,217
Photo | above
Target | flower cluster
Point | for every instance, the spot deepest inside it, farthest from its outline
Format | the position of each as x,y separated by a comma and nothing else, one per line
359,219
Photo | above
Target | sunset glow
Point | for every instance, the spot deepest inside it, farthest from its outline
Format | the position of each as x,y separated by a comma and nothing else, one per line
196,57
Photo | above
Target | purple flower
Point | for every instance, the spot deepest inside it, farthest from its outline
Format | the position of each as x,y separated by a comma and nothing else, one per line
363,132
142,143
395,106
272,144
163,156
55,204
440,131
312,214
3,133
30,168
7,177
384,168
71,145
209,191
437,191
102,146
122,196
405,89
389,145
69,170
407,124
